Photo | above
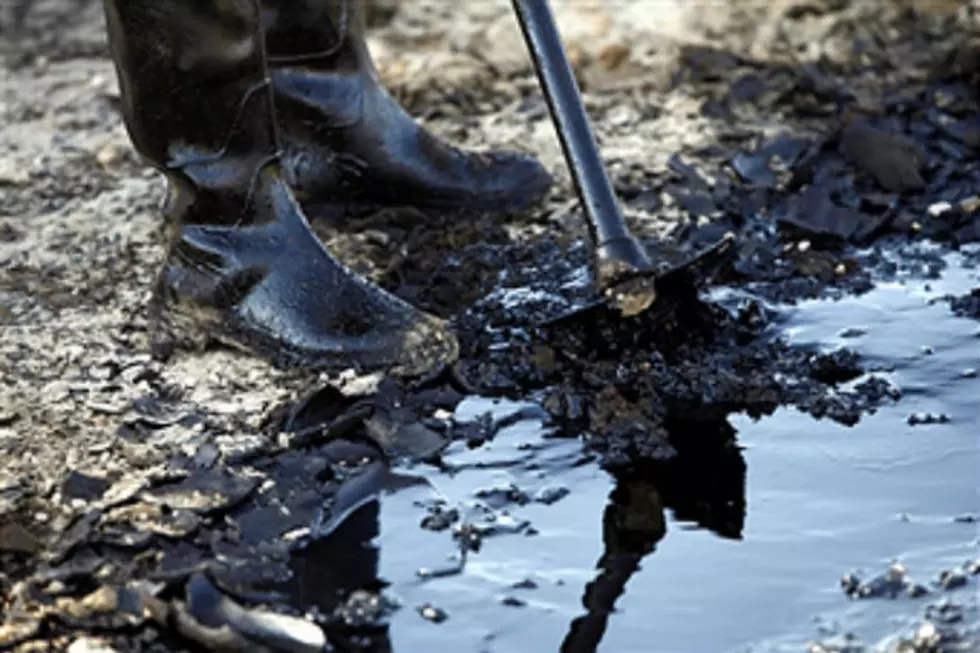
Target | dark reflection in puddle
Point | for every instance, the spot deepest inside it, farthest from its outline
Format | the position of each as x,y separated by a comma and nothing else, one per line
603,563
339,577
329,569
707,489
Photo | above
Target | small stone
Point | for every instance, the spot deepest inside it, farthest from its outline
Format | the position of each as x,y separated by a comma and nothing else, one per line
970,204
916,590
440,519
500,495
850,583
526,584
513,602
613,55
949,580
551,494
431,613
927,636
896,573
916,419
112,156
945,612
937,209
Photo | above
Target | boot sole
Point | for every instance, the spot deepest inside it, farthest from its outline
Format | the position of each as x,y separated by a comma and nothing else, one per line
195,329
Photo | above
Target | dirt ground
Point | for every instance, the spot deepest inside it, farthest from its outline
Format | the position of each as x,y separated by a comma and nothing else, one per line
89,420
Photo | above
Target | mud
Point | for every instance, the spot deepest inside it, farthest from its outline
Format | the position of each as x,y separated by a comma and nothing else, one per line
152,504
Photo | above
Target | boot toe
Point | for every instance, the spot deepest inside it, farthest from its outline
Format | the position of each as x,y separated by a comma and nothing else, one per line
425,347
301,309
358,326
512,180
404,341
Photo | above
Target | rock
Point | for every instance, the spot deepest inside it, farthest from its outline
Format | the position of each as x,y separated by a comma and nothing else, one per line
952,579
112,156
432,613
551,494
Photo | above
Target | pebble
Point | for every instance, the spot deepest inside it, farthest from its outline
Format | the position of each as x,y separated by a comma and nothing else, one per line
112,156
949,580
945,612
927,418
926,636
364,608
439,572
431,613
551,494
970,204
440,519
526,584
888,584
937,209
916,590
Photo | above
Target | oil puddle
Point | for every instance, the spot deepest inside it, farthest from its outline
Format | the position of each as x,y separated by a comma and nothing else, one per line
523,544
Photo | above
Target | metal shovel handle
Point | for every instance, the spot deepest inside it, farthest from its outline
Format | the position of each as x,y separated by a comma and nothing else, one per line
617,250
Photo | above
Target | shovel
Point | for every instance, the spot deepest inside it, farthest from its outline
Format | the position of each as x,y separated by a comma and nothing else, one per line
626,278
623,272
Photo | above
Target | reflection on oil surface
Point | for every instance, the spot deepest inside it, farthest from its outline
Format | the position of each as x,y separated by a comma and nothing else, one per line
719,550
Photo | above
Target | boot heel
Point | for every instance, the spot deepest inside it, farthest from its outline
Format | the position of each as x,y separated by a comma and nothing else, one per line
172,330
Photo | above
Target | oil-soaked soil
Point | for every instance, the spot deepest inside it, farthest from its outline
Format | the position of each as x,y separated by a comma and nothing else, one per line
739,468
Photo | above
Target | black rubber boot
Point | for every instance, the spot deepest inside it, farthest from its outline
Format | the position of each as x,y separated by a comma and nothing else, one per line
244,267
341,128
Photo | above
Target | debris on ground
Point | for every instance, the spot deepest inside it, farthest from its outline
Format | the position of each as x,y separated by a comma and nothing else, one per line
153,505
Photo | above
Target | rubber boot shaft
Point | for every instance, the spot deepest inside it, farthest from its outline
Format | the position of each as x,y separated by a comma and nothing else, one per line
348,141
243,265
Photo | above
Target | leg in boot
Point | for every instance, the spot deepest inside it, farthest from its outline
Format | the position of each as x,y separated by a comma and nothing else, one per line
243,264
340,127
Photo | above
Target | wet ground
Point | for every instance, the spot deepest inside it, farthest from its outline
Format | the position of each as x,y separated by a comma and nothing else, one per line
728,540
780,456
